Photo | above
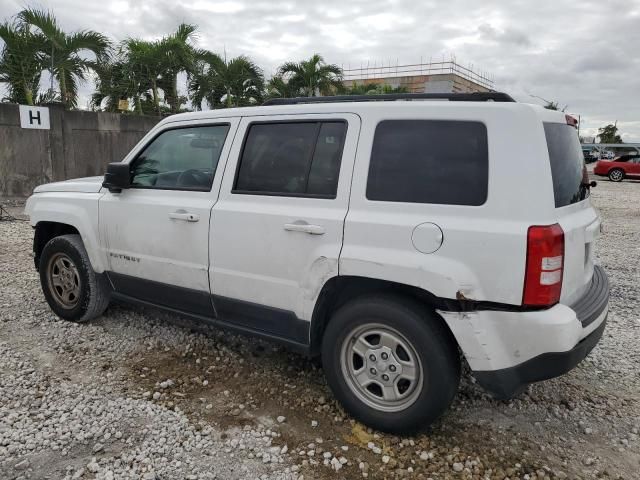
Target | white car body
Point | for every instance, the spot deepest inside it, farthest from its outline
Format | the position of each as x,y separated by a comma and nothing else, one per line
278,253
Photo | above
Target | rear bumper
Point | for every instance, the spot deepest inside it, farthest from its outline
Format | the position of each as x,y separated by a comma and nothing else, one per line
507,382
509,350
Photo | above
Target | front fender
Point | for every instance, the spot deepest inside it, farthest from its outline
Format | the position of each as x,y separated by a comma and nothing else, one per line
80,210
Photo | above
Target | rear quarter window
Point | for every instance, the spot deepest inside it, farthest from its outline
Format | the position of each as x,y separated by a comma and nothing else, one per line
567,162
429,161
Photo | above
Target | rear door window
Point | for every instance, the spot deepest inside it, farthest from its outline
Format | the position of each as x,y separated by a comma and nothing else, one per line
565,156
292,159
429,161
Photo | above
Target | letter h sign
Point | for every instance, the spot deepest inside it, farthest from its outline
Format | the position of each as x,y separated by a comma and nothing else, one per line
34,117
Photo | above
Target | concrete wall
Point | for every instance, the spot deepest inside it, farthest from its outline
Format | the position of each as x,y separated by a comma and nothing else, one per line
79,144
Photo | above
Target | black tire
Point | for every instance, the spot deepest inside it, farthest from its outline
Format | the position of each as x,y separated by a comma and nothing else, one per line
92,291
616,175
431,341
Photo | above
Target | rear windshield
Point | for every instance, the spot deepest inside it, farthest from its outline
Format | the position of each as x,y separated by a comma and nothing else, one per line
565,155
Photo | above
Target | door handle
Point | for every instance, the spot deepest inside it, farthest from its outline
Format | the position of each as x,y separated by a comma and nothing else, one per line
304,228
184,216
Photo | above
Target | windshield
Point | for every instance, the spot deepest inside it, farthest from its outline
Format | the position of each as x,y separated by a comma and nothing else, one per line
567,162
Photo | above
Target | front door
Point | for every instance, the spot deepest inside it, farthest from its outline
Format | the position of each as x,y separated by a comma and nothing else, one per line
155,234
277,226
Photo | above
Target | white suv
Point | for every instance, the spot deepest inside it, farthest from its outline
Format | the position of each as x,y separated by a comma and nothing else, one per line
392,238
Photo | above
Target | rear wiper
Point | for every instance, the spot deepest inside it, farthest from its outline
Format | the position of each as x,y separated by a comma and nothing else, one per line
585,189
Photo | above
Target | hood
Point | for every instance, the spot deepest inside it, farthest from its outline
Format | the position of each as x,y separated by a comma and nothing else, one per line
82,185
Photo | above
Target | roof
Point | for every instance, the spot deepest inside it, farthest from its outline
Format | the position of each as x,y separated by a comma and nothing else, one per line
453,97
358,107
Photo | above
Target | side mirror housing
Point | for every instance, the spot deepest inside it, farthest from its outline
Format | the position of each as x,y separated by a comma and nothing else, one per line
117,177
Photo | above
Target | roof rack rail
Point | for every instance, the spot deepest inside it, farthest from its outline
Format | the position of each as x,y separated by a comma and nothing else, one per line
453,97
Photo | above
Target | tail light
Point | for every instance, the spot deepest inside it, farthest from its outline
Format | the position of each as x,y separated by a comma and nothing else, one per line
545,264
573,121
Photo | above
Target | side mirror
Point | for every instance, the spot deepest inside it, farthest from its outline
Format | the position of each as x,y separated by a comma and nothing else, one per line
117,177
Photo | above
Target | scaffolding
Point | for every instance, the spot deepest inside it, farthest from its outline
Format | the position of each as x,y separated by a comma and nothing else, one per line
376,72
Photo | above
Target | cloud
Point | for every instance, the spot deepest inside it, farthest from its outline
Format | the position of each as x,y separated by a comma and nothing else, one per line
601,60
506,36
562,51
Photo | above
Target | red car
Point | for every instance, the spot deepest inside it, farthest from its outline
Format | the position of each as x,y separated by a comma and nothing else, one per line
619,168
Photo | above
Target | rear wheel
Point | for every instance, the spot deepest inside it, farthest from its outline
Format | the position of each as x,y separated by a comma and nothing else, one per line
72,289
391,362
616,175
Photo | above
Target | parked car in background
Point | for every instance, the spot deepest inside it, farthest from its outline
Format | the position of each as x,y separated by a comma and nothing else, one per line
619,168
590,154
607,154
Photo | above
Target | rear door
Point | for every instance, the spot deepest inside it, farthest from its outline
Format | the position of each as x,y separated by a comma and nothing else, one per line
278,225
577,217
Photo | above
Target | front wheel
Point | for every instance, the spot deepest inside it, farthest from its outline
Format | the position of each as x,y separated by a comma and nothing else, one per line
72,289
391,362
616,175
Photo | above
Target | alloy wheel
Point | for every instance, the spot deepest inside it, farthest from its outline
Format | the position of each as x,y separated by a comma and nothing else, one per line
64,280
381,367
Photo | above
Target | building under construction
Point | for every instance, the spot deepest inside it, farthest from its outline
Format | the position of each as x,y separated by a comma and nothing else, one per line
433,77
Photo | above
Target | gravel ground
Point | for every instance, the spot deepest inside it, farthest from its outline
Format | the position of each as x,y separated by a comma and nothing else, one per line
143,394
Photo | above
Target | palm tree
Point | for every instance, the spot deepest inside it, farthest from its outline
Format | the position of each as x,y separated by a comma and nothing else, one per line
238,82
154,66
143,64
113,83
312,76
278,87
178,55
360,89
21,62
62,51
373,89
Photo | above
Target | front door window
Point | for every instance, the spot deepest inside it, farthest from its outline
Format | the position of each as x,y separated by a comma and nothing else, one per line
180,159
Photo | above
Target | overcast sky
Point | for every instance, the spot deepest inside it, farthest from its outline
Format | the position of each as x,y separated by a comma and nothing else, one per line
581,53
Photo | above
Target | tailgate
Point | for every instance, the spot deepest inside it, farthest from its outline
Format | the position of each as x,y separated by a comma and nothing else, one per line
581,227
578,219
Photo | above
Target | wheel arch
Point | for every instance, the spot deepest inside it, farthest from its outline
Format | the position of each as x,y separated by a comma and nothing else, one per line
44,232
53,213
340,289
